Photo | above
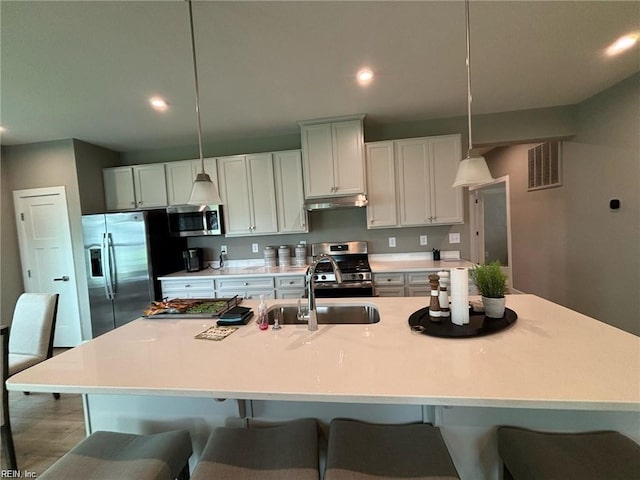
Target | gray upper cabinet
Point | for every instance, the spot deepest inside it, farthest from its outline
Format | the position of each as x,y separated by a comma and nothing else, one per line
292,216
135,187
248,192
180,177
333,156
409,182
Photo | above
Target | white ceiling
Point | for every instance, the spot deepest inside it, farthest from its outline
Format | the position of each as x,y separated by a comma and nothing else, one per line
84,69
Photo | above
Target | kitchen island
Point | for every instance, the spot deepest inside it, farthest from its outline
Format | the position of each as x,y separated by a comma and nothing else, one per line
553,369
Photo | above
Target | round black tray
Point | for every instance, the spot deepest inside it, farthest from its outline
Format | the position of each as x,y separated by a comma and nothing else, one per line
478,325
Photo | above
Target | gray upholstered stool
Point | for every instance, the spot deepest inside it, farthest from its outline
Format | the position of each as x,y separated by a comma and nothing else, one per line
279,452
529,455
363,451
117,456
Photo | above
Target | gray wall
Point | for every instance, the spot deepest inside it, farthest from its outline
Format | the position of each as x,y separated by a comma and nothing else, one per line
29,166
90,160
11,285
568,246
489,129
39,165
336,226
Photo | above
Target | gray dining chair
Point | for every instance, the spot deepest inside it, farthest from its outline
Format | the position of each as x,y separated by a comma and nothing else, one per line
594,455
7,438
117,455
363,451
286,451
32,330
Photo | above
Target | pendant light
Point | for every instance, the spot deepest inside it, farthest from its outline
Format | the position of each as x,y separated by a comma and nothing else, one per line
204,191
472,170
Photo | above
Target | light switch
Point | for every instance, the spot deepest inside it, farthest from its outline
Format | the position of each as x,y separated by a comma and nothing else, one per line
423,239
254,247
392,242
454,238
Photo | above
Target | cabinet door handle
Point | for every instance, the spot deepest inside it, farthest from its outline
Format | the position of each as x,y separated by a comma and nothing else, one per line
187,286
64,278
132,203
246,284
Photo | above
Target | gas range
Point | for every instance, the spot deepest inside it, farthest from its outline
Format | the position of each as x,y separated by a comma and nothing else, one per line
353,261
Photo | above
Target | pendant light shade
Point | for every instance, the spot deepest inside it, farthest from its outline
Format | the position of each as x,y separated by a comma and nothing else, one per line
204,191
473,170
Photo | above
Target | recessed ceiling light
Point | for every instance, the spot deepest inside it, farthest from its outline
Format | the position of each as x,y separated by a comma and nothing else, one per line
622,44
158,103
364,76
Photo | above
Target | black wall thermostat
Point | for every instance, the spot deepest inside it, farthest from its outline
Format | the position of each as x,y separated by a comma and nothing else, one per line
614,204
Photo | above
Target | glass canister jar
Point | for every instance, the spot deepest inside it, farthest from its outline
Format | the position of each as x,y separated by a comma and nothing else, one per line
301,255
269,257
284,256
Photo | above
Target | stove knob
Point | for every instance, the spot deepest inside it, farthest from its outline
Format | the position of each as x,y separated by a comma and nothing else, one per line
323,277
315,277
361,276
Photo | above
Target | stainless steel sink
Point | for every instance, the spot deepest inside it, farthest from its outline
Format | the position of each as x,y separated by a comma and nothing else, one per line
328,314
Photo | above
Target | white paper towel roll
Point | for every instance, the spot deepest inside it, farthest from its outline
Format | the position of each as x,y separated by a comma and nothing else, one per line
459,289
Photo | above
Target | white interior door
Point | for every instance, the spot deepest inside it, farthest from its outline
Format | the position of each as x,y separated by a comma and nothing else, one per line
491,224
46,254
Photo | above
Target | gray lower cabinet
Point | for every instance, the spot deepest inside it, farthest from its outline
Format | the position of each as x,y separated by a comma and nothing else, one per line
245,287
398,284
290,287
410,284
191,288
389,284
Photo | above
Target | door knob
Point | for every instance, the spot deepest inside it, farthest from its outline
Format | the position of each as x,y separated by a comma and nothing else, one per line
61,279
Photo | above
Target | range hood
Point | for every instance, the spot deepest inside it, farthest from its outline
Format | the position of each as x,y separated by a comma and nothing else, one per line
329,203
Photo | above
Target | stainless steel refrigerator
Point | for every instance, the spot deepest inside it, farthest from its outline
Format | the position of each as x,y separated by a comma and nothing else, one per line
125,253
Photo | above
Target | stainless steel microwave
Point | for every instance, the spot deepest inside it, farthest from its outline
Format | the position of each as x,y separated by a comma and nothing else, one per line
192,221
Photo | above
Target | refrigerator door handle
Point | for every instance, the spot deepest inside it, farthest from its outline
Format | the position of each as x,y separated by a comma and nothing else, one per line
112,267
106,265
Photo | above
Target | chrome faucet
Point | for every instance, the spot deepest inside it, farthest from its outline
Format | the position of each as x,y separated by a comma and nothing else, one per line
310,315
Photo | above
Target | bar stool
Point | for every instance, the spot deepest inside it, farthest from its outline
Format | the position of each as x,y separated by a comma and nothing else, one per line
529,455
277,452
117,456
361,451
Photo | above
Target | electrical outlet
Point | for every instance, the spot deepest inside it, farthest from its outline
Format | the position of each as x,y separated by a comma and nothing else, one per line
254,247
454,238
223,249
423,239
392,242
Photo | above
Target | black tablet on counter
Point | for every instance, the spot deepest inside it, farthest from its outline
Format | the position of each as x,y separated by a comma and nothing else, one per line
235,316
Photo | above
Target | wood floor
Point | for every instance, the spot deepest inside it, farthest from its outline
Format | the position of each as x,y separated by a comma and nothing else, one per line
43,428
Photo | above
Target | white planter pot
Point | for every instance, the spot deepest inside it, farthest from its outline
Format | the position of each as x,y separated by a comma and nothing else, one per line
493,307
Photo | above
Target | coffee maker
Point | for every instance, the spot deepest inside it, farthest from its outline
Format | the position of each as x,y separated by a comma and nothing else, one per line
193,261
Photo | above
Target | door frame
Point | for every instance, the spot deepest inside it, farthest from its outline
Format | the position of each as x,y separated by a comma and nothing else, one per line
23,242
476,221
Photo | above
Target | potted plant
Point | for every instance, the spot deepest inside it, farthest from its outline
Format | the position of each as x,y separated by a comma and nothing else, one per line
492,284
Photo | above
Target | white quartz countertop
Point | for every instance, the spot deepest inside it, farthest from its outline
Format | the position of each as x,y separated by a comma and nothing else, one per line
244,271
551,357
416,265
377,266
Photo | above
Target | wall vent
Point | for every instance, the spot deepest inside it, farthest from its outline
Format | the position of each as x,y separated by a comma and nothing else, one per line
545,166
